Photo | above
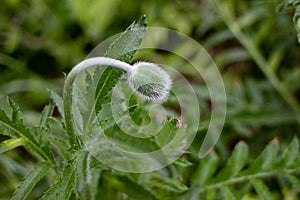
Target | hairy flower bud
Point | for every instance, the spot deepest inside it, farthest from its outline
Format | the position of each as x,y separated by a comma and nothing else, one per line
149,81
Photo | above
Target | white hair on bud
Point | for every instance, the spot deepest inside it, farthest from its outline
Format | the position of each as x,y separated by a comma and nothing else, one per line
149,81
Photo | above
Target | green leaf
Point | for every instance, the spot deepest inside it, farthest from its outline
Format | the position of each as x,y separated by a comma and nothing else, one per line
183,162
109,121
229,193
129,143
82,166
267,158
290,155
235,163
166,135
58,102
295,182
267,164
162,187
16,128
211,195
122,49
63,187
261,189
11,144
130,187
206,169
30,180
46,114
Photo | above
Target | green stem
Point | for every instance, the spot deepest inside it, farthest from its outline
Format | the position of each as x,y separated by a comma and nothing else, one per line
245,178
264,66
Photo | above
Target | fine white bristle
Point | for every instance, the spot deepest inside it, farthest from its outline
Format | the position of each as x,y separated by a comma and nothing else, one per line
150,81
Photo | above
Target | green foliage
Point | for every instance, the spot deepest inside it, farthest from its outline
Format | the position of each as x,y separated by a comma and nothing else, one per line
231,179
31,179
254,45
63,187
14,127
122,49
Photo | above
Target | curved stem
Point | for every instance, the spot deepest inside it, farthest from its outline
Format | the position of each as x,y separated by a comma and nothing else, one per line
68,89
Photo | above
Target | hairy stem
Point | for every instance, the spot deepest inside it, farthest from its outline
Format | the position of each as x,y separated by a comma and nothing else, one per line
68,89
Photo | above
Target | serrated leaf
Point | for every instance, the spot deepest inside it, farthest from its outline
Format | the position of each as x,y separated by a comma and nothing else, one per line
11,144
262,190
122,49
63,187
30,180
235,163
17,129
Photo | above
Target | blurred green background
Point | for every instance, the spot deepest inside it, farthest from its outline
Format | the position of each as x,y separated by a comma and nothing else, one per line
40,40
